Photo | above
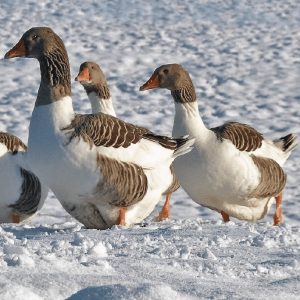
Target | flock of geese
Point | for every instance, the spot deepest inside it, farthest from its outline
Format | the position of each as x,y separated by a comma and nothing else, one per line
105,171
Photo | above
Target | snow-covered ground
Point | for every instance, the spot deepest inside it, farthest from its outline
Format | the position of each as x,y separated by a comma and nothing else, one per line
244,58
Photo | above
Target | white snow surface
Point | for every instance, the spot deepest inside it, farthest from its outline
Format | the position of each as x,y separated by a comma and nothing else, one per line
244,59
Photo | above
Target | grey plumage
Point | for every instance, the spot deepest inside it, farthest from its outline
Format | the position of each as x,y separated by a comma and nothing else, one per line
30,196
184,95
108,131
55,69
97,82
12,143
244,137
100,89
125,183
272,180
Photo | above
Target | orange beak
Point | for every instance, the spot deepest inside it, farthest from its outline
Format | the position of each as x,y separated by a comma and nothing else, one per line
152,83
18,50
83,75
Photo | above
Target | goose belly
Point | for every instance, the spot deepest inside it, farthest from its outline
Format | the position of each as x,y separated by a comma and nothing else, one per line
250,210
215,177
159,180
95,210
73,179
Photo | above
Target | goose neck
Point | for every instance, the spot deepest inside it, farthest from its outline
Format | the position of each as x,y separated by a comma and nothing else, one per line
55,78
99,104
188,120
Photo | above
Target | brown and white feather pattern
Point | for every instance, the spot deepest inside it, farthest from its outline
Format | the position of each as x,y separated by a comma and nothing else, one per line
184,95
272,180
105,130
30,196
56,67
101,90
12,143
244,137
55,72
126,183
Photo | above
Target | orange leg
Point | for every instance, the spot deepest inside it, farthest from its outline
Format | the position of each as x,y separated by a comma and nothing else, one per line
121,219
165,211
225,216
15,218
278,219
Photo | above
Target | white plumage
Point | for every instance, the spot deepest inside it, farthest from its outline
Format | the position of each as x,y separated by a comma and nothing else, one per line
232,169
21,192
80,156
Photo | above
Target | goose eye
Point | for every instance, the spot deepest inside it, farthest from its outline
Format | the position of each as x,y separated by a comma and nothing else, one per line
166,71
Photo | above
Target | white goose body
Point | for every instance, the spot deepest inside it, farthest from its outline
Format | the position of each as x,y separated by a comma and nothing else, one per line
232,168
213,169
21,192
98,166
10,184
73,165
92,78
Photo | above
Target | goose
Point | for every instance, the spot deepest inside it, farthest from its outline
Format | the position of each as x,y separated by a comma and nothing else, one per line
103,171
232,168
92,78
21,192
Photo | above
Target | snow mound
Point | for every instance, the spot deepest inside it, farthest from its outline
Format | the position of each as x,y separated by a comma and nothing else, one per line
125,292
11,291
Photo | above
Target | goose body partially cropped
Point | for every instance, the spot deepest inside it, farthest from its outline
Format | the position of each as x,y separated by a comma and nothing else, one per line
92,78
21,192
232,169
103,171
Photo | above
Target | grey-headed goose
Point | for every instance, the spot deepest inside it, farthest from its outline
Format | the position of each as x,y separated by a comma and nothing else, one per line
103,171
92,78
232,169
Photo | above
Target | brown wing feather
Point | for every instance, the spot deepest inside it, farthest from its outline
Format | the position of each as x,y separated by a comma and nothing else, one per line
30,196
12,143
244,137
273,178
105,130
126,183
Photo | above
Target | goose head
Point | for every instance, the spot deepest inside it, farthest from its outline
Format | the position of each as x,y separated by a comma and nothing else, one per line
90,74
35,43
93,80
47,47
171,77
174,78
